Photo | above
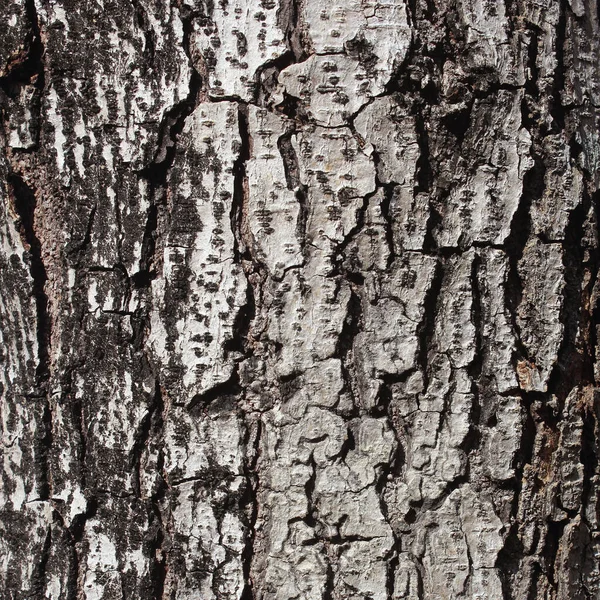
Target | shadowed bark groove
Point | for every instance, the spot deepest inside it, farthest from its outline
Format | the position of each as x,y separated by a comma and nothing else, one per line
299,300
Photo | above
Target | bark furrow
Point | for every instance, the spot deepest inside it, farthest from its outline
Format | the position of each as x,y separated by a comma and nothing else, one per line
299,300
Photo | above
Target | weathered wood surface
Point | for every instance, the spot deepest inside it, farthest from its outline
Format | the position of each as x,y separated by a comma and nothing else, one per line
299,299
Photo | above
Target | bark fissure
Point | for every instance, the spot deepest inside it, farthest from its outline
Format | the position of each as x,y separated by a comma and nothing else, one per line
299,300
25,201
26,68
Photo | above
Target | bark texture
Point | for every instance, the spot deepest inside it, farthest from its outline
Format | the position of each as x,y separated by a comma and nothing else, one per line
299,299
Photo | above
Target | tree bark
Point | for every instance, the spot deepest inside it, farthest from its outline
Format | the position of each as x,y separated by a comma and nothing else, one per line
299,299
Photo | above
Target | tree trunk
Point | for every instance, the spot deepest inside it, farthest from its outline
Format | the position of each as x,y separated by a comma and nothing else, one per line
298,299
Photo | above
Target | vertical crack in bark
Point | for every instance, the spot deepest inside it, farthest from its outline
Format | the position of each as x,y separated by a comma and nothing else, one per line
309,489
173,119
239,203
353,322
392,565
531,84
551,546
77,418
420,576
472,440
255,273
510,558
426,327
151,422
292,177
469,575
159,555
329,586
44,445
389,471
288,19
575,357
28,70
145,274
573,366
25,203
159,568
351,327
425,176
536,573
290,160
38,579
520,231
249,506
388,194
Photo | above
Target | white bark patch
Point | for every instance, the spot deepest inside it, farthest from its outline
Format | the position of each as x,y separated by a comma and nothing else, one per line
232,42
339,172
358,45
273,209
539,312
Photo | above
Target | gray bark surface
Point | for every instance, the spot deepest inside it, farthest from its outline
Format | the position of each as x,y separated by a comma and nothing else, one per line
299,300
